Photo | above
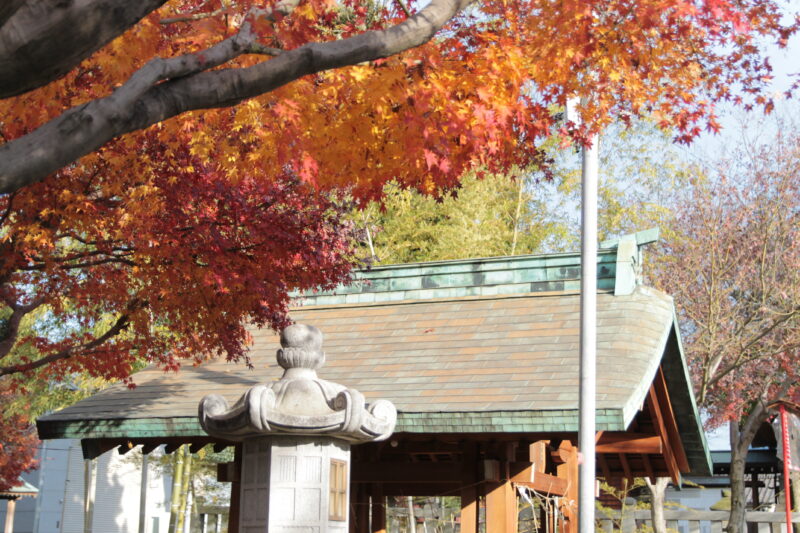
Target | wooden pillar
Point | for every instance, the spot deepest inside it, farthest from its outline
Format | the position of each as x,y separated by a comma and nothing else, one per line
378,504
359,509
501,498
469,494
362,509
567,455
10,508
236,488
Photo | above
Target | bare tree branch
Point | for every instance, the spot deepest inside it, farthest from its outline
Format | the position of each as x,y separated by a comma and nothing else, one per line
145,99
31,57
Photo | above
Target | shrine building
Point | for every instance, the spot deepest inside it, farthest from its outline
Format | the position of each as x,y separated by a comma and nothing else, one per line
480,359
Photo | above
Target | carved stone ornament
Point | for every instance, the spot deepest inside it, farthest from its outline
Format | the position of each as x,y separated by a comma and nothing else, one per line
299,403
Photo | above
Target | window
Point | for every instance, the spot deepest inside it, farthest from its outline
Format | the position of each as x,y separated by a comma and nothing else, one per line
337,506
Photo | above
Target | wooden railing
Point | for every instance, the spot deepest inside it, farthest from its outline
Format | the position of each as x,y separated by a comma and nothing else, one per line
691,521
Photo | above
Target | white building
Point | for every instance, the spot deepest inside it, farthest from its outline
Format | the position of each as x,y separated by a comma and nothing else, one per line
59,508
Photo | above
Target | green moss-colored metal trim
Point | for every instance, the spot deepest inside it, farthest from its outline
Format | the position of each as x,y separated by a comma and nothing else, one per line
434,422
471,277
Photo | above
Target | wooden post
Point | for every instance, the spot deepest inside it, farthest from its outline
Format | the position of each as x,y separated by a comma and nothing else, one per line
469,494
10,508
362,509
352,514
236,488
501,499
567,455
378,503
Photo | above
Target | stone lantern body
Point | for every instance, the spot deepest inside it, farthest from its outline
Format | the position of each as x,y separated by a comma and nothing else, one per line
296,435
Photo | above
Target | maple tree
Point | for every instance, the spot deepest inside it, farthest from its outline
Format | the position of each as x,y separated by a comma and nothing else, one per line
160,244
732,262
171,171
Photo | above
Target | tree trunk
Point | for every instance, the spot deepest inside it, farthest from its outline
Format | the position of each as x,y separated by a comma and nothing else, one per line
177,477
736,523
657,492
794,477
740,443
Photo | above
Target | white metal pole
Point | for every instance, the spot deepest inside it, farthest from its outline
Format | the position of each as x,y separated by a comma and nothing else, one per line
588,343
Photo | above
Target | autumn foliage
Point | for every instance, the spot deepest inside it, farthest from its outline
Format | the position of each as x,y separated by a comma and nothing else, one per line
17,446
162,244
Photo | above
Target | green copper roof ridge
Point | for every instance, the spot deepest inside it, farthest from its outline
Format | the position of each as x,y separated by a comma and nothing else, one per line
492,258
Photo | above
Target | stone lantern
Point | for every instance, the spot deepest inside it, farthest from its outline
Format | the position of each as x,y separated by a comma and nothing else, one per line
296,435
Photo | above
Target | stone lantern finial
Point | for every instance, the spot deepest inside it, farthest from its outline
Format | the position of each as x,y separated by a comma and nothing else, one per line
299,403
301,347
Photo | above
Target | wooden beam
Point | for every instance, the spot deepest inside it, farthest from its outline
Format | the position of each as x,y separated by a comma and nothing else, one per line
657,414
421,489
648,467
527,474
196,446
630,443
670,422
626,467
149,447
546,484
601,460
397,472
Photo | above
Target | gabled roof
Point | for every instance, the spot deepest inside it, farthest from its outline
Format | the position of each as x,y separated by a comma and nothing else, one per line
476,346
20,491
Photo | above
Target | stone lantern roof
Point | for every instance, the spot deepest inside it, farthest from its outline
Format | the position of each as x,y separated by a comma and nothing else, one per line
299,403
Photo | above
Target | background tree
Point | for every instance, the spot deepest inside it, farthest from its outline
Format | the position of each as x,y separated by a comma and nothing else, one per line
732,262
489,215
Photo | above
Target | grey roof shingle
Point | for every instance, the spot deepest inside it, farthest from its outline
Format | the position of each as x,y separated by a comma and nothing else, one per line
471,354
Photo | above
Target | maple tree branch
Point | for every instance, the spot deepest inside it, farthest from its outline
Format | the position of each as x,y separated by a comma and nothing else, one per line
29,55
18,312
404,8
257,48
191,17
145,99
8,8
7,211
118,327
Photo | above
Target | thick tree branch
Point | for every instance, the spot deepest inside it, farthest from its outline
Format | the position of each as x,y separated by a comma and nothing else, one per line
145,100
8,8
118,327
29,55
18,312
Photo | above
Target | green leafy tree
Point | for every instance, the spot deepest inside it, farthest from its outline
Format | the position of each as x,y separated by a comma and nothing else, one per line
489,215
